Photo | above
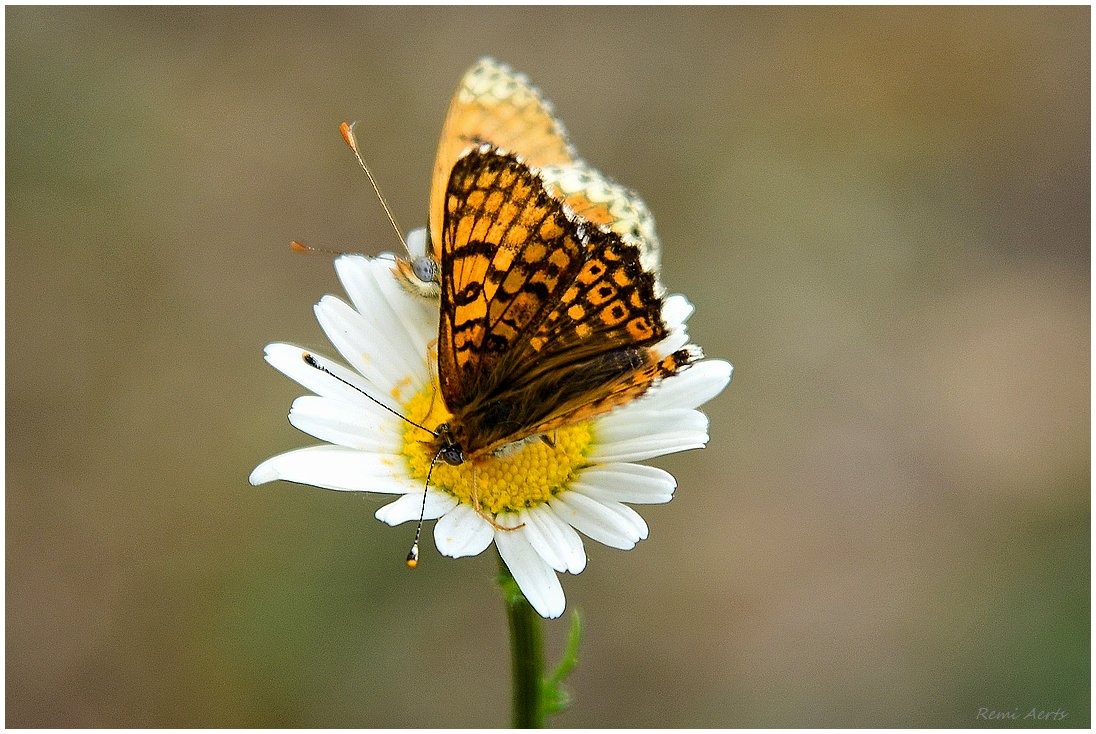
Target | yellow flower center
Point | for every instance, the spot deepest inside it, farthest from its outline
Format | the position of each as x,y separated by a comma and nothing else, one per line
522,474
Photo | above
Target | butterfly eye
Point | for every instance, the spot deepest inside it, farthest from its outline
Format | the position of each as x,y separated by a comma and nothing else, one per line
425,269
452,455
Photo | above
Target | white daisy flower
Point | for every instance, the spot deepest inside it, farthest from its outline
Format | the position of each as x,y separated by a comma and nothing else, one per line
532,498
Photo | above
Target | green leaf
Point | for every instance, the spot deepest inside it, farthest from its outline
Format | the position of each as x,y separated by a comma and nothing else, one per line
555,697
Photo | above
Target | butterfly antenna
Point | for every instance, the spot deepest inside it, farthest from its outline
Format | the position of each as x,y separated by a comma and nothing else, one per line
347,130
314,363
302,249
413,554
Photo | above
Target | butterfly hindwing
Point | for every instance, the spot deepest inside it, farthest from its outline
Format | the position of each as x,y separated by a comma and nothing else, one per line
595,197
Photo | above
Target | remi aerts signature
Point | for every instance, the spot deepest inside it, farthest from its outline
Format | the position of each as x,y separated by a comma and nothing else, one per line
1034,715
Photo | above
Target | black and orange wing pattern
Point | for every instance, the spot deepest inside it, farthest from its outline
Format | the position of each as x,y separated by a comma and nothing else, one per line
598,199
496,105
545,319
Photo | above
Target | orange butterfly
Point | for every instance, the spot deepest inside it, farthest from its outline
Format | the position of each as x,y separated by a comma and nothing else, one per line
549,304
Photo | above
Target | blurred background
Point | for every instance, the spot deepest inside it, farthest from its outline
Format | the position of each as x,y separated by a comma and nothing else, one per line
882,216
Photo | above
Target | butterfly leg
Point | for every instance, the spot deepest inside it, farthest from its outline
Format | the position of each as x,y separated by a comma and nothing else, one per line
550,441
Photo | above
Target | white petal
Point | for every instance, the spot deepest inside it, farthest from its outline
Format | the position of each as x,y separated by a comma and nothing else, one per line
693,387
556,541
462,532
544,548
635,483
372,348
630,516
676,310
623,425
408,507
289,360
418,315
376,294
568,542
535,578
346,424
633,434
675,339
416,242
641,450
335,467
596,520
355,274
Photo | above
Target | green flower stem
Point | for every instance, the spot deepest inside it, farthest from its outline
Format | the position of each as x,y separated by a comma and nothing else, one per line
526,653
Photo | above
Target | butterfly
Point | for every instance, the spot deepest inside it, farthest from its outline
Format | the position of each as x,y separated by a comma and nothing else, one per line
545,319
494,104
550,310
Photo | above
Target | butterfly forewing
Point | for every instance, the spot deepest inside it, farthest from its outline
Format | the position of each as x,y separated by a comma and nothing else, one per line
494,104
509,251
545,319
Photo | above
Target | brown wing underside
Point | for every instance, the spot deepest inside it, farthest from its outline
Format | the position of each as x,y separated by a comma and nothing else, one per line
545,320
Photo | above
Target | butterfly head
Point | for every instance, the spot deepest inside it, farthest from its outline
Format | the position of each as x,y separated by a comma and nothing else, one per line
449,451
419,271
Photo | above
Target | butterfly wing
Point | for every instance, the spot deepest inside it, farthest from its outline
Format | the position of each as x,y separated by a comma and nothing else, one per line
545,319
597,198
494,104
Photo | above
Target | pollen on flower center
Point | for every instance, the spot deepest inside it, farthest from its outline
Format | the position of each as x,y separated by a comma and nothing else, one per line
523,474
